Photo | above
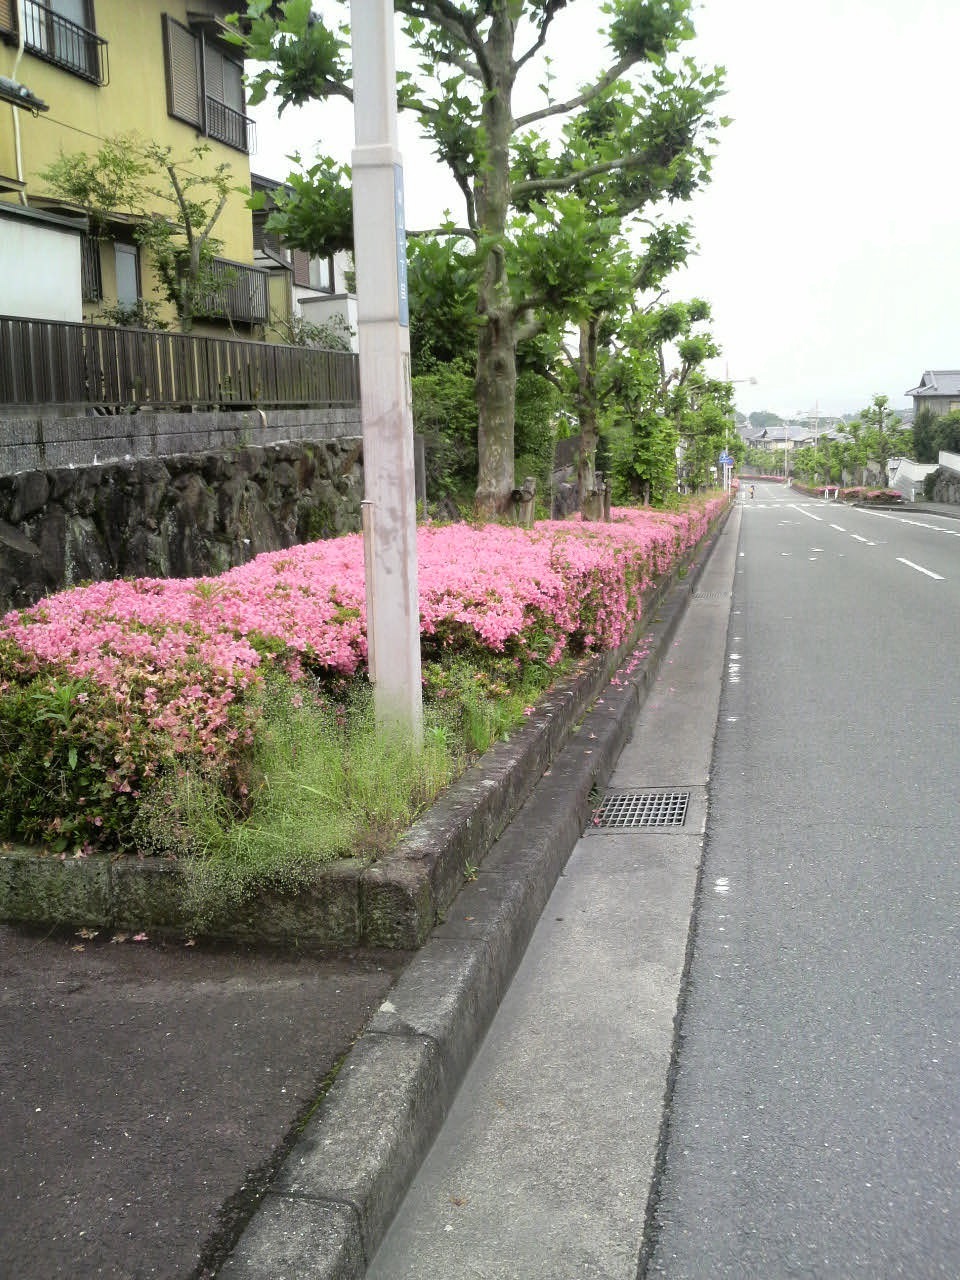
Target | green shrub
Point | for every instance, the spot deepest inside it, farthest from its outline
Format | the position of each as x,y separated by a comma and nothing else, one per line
445,414
64,784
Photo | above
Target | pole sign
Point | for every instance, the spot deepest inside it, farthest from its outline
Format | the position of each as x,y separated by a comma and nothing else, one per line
403,300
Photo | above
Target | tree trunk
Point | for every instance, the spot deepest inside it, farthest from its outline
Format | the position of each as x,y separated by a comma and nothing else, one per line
496,356
591,499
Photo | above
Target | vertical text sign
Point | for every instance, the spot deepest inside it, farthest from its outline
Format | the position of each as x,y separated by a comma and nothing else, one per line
404,302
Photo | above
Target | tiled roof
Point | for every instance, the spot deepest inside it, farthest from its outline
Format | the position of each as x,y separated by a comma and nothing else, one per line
937,382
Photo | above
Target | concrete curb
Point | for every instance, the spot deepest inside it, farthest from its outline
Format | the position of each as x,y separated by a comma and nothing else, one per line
329,1208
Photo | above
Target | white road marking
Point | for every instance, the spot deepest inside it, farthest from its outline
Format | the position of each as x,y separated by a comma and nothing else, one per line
839,528
920,569
856,537
808,514
918,524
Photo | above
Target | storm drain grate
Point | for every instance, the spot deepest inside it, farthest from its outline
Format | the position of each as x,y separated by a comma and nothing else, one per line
642,809
711,595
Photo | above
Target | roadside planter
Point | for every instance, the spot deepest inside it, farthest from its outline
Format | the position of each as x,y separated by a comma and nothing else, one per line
197,646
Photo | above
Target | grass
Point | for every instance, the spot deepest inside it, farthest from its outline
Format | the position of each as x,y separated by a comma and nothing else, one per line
325,781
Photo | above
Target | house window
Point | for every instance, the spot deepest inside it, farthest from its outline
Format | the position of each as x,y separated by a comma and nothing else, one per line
321,274
128,275
312,273
205,86
62,32
91,284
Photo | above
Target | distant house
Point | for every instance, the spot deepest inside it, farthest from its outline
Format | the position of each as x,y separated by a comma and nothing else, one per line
939,390
72,74
313,289
781,437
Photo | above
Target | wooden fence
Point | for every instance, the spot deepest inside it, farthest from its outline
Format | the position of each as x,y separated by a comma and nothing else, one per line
51,363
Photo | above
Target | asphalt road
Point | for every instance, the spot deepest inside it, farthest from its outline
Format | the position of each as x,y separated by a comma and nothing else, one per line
813,1121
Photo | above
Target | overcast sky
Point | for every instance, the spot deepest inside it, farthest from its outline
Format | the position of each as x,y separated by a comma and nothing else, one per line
828,235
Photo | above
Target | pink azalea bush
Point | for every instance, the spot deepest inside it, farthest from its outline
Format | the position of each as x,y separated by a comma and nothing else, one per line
101,686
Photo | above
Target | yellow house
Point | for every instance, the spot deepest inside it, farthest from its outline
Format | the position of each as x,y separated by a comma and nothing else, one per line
74,73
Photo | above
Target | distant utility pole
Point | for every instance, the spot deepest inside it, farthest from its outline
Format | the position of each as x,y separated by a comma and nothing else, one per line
389,509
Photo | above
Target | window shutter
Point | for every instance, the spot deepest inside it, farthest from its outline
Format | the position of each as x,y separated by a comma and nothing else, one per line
8,17
213,73
183,72
301,267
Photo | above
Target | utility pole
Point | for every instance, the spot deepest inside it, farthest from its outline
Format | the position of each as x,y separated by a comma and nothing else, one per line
389,509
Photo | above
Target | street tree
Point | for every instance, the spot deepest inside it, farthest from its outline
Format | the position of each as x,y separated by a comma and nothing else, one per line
471,58
175,203
884,435
663,401
673,126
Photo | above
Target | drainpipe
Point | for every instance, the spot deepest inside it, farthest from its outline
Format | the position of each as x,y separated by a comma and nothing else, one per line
13,107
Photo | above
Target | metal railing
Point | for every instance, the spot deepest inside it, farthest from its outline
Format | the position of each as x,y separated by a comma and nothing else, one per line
47,362
228,125
241,293
67,44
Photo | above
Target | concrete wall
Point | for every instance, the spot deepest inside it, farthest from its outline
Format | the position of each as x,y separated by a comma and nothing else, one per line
946,481
36,443
909,476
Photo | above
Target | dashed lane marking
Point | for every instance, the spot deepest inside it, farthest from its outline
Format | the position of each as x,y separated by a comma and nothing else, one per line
920,569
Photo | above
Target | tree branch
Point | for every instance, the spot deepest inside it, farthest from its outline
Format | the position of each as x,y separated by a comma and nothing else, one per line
530,325
548,375
551,9
588,94
454,22
465,233
535,185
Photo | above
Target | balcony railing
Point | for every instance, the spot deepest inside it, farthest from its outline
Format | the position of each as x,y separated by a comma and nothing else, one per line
67,44
51,363
230,126
243,293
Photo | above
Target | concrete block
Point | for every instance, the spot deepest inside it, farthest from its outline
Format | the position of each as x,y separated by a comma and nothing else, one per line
146,893
298,1239
43,889
325,912
371,1132
396,905
449,993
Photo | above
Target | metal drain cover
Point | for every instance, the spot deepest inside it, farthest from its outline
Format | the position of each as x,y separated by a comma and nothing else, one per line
642,809
710,595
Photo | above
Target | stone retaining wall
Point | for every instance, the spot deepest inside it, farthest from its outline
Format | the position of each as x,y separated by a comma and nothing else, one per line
946,485
186,515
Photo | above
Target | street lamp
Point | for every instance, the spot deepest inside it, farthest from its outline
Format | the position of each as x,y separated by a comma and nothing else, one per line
728,467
